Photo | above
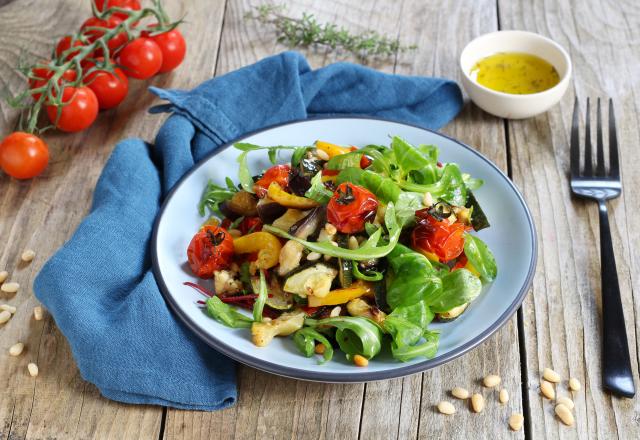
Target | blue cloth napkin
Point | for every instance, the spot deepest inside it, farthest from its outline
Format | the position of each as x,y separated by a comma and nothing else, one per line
99,286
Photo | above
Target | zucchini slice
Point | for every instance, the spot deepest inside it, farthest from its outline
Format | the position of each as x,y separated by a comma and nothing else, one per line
452,314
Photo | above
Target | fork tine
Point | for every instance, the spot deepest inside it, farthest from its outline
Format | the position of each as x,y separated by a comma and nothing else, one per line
588,157
600,169
614,165
575,141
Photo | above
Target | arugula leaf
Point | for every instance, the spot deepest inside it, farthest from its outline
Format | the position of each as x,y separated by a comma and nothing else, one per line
414,278
258,306
380,163
298,154
226,314
383,187
244,175
407,325
346,160
471,182
458,288
245,146
351,175
450,187
368,276
354,334
213,196
318,191
305,339
273,155
427,349
480,257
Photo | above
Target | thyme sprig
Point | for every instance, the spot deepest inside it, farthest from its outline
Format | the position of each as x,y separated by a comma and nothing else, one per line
308,32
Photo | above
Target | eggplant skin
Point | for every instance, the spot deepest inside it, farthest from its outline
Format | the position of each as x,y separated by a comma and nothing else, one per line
269,210
451,315
299,183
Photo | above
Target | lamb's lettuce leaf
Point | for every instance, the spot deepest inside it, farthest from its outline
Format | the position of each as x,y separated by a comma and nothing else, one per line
480,257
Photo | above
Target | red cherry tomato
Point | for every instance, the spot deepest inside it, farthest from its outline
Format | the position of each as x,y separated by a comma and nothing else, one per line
210,249
141,58
65,43
110,88
92,35
365,162
351,207
440,238
79,111
43,75
278,174
250,224
23,155
173,48
134,5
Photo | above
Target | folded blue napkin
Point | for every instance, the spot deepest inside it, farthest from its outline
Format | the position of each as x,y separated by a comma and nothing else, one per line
99,286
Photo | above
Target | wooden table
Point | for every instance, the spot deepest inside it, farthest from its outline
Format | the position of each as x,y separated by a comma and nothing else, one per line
558,325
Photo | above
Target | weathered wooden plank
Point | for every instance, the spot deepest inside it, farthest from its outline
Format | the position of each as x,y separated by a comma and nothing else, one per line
42,214
562,317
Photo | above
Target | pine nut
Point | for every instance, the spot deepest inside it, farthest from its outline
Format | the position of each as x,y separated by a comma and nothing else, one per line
566,402
360,361
313,256
515,421
547,390
28,255
427,199
446,408
330,229
8,308
37,313
460,393
335,312
574,384
4,316
16,349
477,403
503,396
551,375
11,287
320,349
353,243
564,414
33,369
322,155
235,233
3,276
491,380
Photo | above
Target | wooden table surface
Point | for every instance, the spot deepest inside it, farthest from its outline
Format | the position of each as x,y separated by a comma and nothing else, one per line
558,325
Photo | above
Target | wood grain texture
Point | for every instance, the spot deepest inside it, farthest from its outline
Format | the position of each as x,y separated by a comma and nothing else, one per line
562,316
42,214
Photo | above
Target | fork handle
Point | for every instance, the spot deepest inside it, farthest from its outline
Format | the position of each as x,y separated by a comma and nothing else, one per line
617,375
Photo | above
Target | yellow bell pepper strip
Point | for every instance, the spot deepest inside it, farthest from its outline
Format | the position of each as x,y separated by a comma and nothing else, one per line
278,195
332,149
340,296
265,244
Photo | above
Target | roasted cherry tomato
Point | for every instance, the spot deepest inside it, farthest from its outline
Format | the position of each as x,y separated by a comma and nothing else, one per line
134,5
278,174
351,207
110,88
250,224
23,155
365,162
79,111
211,249
141,58
172,45
439,239
43,75
66,43
92,35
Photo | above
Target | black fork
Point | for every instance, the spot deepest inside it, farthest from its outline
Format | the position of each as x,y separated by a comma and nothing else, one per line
602,185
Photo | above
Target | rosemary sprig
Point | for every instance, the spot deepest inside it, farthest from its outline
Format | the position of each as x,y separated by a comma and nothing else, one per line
307,31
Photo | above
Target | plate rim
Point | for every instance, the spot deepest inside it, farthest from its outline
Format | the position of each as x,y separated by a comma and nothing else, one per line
341,377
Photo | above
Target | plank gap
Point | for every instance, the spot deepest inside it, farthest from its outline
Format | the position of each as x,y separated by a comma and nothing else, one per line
163,422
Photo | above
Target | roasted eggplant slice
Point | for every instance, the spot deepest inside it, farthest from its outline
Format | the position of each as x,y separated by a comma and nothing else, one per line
452,314
299,183
308,226
268,210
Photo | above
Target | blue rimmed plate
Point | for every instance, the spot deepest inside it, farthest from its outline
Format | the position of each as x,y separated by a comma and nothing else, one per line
512,239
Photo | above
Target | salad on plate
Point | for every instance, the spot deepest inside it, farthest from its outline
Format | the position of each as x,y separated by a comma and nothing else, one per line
342,248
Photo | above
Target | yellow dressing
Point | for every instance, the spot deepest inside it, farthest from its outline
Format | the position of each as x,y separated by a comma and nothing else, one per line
515,72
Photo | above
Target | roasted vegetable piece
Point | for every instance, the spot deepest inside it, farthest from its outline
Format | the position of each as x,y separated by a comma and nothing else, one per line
340,296
279,195
332,149
314,281
262,333
359,307
288,219
211,249
351,207
278,174
452,314
243,203
439,238
266,245
268,210
308,226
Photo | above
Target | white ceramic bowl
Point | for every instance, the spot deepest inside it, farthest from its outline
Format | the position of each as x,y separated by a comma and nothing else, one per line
507,105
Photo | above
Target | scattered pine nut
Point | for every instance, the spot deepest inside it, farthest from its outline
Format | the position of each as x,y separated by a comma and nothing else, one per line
330,229
3,276
4,316
8,308
547,390
551,375
503,396
477,403
10,287
320,349
28,255
313,256
574,384
566,402
33,369
515,421
322,155
491,380
353,243
564,414
446,408
37,313
460,393
360,361
16,349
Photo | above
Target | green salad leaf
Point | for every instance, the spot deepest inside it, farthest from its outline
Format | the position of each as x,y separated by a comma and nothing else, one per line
458,288
383,187
480,257
214,195
414,278
244,175
354,334
298,154
227,314
346,160
427,349
450,187
304,339
351,175
318,191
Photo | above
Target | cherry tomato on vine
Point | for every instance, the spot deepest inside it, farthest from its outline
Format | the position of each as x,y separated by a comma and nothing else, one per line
351,207
173,47
278,174
210,249
92,35
23,155
141,58
43,75
437,238
134,5
79,111
110,88
65,43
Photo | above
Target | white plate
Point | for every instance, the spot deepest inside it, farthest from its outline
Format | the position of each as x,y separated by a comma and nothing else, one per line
511,238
